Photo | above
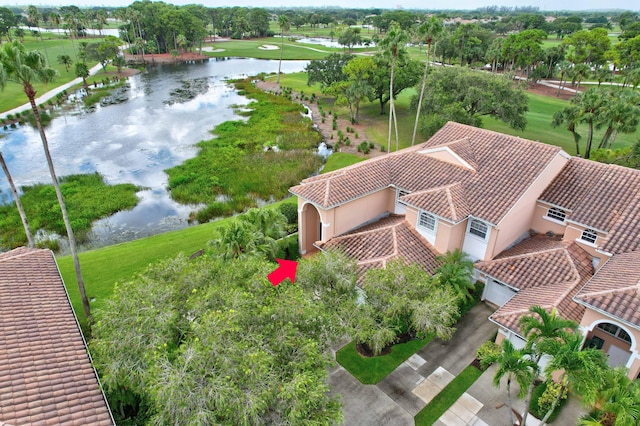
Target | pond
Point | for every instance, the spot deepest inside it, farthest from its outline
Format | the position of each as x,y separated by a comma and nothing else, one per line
169,108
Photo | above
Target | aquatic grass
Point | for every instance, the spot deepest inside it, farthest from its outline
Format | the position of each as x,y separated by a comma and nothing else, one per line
88,198
234,163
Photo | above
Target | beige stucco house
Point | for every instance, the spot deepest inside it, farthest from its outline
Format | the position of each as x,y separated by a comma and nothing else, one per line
544,228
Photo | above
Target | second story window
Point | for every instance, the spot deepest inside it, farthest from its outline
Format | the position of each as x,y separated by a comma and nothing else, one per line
556,214
478,228
589,236
427,221
401,193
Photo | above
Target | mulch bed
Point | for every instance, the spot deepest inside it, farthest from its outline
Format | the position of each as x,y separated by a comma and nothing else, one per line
364,350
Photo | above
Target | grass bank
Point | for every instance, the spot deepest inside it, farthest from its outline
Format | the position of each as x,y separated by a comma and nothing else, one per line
87,197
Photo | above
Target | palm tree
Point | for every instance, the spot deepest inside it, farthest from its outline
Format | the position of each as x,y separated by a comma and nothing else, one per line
284,24
537,328
620,398
569,118
430,29
582,370
26,68
65,60
33,16
16,198
392,44
455,271
514,364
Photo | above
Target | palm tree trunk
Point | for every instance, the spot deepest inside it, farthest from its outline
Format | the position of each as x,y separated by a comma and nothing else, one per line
31,94
587,149
16,197
605,138
613,137
424,82
509,400
391,109
280,63
563,389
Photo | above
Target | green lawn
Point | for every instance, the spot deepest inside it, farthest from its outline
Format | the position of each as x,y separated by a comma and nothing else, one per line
56,45
370,371
104,267
447,397
339,160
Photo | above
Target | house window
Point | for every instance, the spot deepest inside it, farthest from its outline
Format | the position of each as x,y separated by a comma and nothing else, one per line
427,221
401,193
615,331
478,228
589,235
556,214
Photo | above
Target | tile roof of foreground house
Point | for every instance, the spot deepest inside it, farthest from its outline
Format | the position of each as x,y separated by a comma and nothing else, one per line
605,197
492,170
374,244
615,289
547,272
46,375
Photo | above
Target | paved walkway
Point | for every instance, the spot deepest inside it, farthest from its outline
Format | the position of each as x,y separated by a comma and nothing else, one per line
411,386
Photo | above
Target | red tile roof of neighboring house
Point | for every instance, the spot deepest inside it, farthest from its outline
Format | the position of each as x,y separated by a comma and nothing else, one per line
547,272
503,168
605,197
377,243
46,375
615,288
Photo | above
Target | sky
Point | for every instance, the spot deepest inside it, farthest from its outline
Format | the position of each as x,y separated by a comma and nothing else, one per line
384,4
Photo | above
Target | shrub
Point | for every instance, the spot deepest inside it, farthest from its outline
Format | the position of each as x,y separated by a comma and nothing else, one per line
371,145
356,135
347,141
487,351
289,211
542,398
382,148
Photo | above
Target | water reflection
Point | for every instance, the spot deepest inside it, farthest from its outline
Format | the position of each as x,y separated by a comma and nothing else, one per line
135,141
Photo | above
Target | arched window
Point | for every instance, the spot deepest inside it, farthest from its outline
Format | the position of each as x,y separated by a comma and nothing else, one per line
589,236
556,214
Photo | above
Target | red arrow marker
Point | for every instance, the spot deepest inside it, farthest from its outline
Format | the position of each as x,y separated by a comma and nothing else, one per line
287,269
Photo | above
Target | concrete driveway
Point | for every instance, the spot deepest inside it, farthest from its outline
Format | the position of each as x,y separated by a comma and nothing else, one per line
393,400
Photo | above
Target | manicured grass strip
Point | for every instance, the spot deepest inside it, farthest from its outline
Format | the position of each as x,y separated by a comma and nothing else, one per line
103,268
447,397
370,371
339,160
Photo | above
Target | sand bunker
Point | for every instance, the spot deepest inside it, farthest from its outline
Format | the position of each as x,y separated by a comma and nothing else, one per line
268,47
211,49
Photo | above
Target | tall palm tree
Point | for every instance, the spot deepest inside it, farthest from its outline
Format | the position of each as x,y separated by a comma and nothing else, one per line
284,24
392,44
26,68
514,364
431,29
16,198
33,16
537,328
582,369
569,117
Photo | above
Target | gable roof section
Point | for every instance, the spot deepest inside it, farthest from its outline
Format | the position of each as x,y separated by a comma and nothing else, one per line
504,167
598,195
448,202
615,289
550,285
390,238
46,376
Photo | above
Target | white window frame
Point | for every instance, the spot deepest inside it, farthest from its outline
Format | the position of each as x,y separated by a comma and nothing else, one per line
617,333
401,193
589,236
556,214
429,217
471,228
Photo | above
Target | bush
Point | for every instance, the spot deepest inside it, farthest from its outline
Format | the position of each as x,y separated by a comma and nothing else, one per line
371,145
488,350
542,398
289,211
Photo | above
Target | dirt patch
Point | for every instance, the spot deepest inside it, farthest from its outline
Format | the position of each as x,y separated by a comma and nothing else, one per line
326,128
164,58
551,92
364,350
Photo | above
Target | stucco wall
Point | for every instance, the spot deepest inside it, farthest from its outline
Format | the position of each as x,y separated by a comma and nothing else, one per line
573,232
355,213
450,236
519,219
542,225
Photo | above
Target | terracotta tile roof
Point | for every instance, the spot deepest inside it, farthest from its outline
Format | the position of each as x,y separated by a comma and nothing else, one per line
46,375
505,167
389,238
615,288
537,262
448,202
624,235
601,196
569,268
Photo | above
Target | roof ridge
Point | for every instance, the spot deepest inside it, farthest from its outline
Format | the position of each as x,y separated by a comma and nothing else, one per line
447,191
528,254
21,252
635,287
